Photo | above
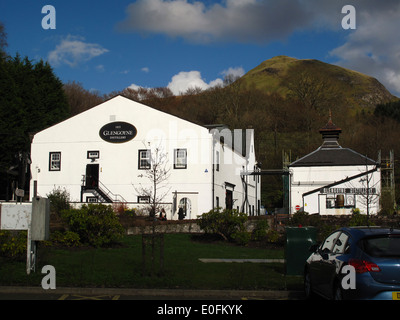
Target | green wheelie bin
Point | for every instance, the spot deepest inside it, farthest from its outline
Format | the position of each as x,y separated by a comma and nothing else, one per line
297,248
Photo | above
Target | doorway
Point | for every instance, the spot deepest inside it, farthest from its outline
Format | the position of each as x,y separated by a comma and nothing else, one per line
186,205
229,200
92,176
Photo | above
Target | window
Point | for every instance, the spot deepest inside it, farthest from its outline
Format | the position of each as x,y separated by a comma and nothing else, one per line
93,155
217,161
340,244
144,159
327,246
92,199
382,246
180,161
55,161
143,199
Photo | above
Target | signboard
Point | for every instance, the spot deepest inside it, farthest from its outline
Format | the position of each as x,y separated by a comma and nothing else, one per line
33,217
15,216
118,132
363,191
20,192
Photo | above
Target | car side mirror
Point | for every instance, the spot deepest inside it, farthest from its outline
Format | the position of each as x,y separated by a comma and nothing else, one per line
314,248
325,255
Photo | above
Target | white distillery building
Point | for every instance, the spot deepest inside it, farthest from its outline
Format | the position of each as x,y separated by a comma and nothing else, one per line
107,154
333,180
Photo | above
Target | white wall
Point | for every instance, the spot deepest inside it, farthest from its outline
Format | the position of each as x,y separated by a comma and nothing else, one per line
118,163
305,179
231,169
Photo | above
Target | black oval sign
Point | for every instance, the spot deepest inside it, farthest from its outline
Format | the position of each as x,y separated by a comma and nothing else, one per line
118,132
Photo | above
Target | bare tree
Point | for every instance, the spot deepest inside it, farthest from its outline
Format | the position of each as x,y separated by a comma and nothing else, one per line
157,175
80,99
369,197
316,93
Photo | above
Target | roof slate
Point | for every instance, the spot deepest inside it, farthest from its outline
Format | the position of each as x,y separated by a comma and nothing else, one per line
333,157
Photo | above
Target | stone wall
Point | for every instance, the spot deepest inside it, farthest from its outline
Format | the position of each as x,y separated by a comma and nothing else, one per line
190,226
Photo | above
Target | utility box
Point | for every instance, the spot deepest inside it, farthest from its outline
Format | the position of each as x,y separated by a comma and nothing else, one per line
297,248
40,225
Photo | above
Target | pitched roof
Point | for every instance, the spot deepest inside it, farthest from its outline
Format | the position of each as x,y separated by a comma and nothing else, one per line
333,157
330,153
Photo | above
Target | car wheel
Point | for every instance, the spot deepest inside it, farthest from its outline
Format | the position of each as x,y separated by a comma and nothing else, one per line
307,286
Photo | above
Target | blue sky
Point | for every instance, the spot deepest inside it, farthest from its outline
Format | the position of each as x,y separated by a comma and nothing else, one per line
111,45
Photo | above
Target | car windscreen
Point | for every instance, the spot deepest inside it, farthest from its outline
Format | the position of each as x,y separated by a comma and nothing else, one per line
382,246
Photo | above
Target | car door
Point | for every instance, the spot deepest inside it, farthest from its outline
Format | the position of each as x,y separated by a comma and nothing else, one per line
337,257
322,267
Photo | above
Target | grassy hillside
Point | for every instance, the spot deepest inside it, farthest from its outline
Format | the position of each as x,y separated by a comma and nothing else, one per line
359,90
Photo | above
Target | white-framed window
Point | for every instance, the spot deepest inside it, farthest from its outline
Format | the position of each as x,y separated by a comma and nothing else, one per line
180,159
144,162
92,200
93,155
143,199
55,161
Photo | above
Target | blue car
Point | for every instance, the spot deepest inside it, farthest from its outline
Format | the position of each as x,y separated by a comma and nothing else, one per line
355,263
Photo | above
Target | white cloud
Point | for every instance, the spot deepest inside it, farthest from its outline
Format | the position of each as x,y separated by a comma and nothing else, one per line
145,69
135,87
186,80
183,81
235,72
239,20
373,48
100,68
73,50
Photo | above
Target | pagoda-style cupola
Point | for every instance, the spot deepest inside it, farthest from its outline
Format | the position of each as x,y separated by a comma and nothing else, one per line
330,134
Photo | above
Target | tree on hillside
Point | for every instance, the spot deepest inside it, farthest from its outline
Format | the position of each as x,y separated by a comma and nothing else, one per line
316,93
3,41
31,99
80,99
390,110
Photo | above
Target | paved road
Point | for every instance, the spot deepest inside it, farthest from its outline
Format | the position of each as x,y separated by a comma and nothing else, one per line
29,293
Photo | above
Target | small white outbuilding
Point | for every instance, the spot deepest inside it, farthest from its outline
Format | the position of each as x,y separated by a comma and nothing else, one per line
106,153
334,180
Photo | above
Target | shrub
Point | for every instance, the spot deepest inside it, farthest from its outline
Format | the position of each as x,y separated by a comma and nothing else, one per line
13,243
67,238
130,212
225,223
241,237
96,224
59,200
119,207
299,218
260,230
273,236
358,219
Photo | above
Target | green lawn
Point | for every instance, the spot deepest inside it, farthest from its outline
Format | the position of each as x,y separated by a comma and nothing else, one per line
122,267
